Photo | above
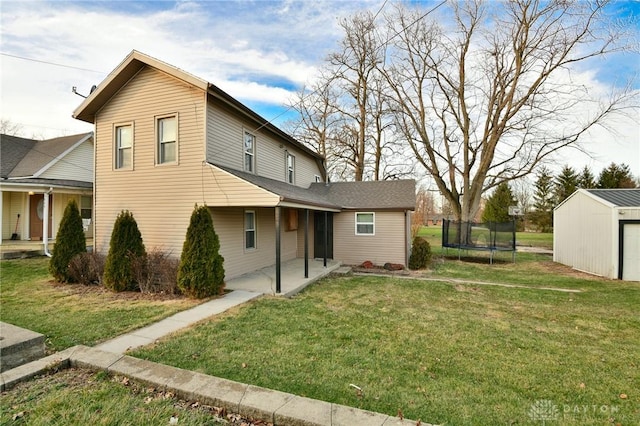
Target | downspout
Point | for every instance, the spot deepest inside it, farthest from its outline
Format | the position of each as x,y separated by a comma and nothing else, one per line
45,223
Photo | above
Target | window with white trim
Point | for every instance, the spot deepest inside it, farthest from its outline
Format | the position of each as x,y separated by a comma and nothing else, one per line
365,223
249,152
249,229
291,168
167,138
86,206
124,147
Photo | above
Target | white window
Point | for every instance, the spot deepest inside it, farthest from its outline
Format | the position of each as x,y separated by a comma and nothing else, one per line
291,168
124,147
318,179
167,134
249,152
365,224
249,229
86,206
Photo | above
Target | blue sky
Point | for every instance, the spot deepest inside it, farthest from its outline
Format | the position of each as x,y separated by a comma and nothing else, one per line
260,52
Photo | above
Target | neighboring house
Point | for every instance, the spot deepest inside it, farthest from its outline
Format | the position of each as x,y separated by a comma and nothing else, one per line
598,231
166,140
37,180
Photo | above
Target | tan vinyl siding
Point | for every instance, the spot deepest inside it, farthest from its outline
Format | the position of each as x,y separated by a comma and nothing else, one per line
225,132
585,235
14,203
229,225
76,165
225,189
161,197
387,245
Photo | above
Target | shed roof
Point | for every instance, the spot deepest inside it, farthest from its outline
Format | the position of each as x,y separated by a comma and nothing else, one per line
373,195
623,197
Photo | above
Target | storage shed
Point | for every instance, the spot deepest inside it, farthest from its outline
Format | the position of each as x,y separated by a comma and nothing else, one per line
598,231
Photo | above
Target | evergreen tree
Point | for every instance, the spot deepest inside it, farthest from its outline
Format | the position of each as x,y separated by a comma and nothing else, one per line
566,184
125,248
201,270
497,207
70,241
586,179
543,202
616,176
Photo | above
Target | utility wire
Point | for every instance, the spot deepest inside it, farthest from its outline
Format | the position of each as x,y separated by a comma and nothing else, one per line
50,63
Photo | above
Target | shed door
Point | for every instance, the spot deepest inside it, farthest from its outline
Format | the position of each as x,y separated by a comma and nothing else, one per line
631,253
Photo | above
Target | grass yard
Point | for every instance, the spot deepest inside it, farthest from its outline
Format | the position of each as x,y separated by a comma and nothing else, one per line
80,397
433,234
71,315
446,353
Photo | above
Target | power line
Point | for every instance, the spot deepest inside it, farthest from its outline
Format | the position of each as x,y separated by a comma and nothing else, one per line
50,63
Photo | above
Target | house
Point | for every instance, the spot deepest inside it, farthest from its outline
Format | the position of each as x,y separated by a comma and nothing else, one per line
598,231
166,140
37,180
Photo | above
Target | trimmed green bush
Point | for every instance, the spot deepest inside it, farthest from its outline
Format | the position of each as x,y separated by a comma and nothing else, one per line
420,254
201,270
70,241
125,247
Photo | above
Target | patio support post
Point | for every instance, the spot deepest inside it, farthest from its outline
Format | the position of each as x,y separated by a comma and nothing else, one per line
326,237
306,243
278,277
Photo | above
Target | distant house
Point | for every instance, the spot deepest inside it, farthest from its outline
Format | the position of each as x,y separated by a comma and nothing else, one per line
166,140
37,180
598,231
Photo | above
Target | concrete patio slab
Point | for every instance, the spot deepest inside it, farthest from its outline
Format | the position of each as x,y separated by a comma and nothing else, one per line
292,277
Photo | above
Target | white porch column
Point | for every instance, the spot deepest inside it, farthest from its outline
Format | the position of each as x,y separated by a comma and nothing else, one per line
45,223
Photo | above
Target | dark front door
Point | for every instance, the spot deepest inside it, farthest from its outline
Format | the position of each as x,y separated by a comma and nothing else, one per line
36,207
319,234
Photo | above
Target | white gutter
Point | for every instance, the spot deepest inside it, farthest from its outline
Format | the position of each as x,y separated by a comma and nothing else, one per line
45,223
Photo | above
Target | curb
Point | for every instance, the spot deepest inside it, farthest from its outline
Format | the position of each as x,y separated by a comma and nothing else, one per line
259,403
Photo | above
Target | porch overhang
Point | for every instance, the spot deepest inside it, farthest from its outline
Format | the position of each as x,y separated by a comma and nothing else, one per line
39,186
232,188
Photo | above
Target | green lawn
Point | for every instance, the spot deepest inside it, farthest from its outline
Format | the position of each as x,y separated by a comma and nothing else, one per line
433,234
446,353
79,397
71,315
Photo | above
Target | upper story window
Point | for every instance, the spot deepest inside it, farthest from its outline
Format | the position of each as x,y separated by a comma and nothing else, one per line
365,224
167,134
249,152
124,147
291,168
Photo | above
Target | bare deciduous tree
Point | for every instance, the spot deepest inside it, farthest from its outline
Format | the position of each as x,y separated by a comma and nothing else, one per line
483,101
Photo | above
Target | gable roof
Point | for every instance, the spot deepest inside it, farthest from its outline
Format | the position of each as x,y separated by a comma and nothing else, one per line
136,61
374,195
618,197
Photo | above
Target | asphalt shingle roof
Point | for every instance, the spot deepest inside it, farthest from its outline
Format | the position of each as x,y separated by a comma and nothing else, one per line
12,150
619,197
374,195
378,195
42,153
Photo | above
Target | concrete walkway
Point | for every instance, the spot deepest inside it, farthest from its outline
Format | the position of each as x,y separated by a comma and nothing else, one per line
153,332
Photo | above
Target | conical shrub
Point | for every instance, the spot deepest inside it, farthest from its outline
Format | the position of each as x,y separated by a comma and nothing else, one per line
201,270
70,241
125,248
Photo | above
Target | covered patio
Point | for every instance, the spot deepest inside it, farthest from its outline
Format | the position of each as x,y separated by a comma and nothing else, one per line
291,274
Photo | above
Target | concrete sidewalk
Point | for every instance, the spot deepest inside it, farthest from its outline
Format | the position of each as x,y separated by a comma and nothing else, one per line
153,332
